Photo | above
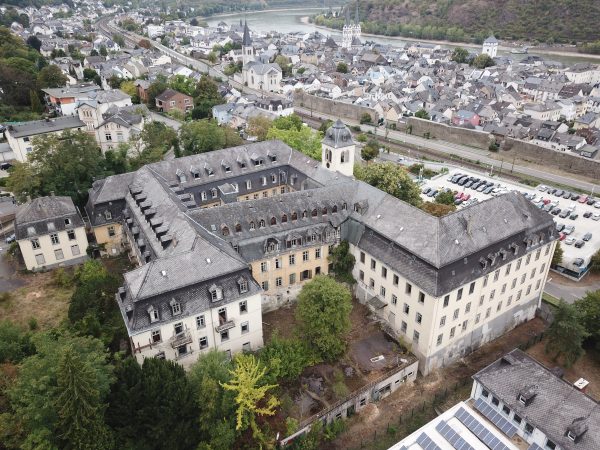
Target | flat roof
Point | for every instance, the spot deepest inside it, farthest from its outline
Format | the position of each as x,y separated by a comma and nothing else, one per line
32,128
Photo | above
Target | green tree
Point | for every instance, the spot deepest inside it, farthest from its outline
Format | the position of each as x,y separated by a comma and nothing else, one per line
152,143
589,307
251,395
284,64
565,336
370,150
445,198
594,262
206,96
342,262
94,52
259,126
183,84
15,344
422,114
366,118
325,125
80,410
342,67
156,88
304,139
103,51
65,164
285,359
212,57
51,76
557,256
118,39
34,43
460,55
323,315
36,104
437,209
482,61
91,75
205,136
390,178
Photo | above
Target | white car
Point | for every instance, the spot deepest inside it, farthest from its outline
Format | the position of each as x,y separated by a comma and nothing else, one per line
542,188
597,205
570,240
596,216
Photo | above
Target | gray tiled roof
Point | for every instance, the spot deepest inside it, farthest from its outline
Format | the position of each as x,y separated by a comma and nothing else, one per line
35,127
556,403
33,219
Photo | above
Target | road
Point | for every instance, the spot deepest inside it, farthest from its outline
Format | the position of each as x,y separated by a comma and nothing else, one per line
569,291
175,124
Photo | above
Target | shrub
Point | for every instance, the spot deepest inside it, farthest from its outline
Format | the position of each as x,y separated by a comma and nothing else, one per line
366,118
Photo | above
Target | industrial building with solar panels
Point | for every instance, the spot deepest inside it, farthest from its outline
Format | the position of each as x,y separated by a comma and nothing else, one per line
516,404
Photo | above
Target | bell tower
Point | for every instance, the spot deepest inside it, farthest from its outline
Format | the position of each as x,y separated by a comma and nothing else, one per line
338,149
247,48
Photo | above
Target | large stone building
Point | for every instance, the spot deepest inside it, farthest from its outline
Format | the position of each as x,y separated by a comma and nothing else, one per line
269,215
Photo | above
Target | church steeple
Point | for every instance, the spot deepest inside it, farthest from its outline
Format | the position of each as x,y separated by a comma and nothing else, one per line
247,49
356,17
246,40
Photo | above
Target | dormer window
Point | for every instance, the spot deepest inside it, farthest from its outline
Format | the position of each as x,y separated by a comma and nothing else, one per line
181,176
195,172
294,216
314,212
243,285
273,158
261,223
334,209
175,307
209,170
571,436
324,211
67,221
238,228
107,215
273,221
344,206
153,314
522,399
251,226
225,231
304,214
213,193
284,218
216,293
226,167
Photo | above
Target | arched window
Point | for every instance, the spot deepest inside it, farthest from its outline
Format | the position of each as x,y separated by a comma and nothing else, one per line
314,212
304,214
334,209
225,231
344,206
294,216
251,226
238,228
284,218
273,221
324,212
261,224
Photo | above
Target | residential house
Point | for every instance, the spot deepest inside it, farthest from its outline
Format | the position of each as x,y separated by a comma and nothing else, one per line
170,100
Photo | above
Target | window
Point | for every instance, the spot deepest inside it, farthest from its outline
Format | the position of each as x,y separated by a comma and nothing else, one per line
245,327
532,273
464,325
492,294
175,307
156,336
439,339
403,327
538,253
371,283
496,275
416,336
361,275
419,317
517,419
264,266
278,263
446,300
178,328
40,260
382,291
373,264
54,239
292,260
224,335
405,308
484,393
509,301
35,244
292,278
317,253
519,295
384,272
508,270
71,235
248,184
153,314
203,342
261,223
528,259
243,307
108,136
503,290
506,410
421,297
570,435
472,288
514,283
529,430
264,285
395,280
537,284
528,290
263,181
547,249
203,195
468,308
305,255
408,288
443,321
452,332
542,268
477,318
111,231
495,401
485,280
481,300
213,193
455,315
362,257
394,299
523,278
459,294
75,250
58,254
200,321
278,281
518,264
243,284
488,312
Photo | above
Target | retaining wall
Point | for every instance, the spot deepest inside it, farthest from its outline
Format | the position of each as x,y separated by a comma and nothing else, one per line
332,107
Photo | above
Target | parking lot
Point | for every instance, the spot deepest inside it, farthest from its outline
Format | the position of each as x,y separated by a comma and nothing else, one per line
577,219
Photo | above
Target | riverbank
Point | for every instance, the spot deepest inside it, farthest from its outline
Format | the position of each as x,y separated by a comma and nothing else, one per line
503,48
259,11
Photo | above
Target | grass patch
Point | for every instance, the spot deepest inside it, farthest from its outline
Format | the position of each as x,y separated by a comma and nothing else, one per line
550,299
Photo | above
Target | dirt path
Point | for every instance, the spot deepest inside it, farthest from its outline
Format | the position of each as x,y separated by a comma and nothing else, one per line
425,388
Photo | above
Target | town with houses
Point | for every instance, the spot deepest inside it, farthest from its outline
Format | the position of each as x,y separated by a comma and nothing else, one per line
220,244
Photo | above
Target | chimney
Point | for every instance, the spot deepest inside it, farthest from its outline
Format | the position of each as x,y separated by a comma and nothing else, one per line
581,385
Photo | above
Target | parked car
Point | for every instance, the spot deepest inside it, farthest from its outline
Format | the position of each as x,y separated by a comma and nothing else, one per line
564,214
555,211
559,192
570,240
10,239
566,194
482,187
426,190
5,166
583,199
560,226
574,216
578,262
487,190
548,208
587,236
587,214
597,205
468,184
551,190
569,229
579,244
591,201
596,216
466,197
575,197
432,193
542,188
561,236
458,201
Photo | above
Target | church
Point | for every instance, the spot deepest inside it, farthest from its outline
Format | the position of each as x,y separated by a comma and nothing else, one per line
351,32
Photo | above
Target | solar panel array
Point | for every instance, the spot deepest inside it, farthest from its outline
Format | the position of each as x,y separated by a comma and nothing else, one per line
479,430
452,436
426,443
494,416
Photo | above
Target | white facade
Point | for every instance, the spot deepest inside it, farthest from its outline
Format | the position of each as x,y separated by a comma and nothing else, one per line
230,328
442,329
54,249
490,47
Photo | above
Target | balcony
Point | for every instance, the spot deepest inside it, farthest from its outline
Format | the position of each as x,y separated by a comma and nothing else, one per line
183,338
225,326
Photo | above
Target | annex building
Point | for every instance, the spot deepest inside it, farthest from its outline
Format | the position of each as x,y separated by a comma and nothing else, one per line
221,237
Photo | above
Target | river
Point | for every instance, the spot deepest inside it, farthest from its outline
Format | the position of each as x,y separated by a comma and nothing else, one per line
291,20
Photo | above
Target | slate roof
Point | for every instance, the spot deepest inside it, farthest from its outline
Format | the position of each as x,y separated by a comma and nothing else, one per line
46,215
338,135
555,406
35,127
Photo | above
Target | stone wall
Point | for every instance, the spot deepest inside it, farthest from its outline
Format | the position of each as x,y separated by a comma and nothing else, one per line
331,107
464,136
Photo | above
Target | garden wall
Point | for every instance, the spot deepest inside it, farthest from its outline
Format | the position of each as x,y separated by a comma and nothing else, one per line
443,132
331,107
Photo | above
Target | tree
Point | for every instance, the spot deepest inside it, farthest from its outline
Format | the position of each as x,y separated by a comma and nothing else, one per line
156,88
153,406
342,262
482,61
323,314
259,126
205,136
460,55
445,198
366,118
36,104
114,81
342,67
94,52
557,256
285,359
194,22
65,164
325,125
370,150
589,307
118,39
422,114
290,130
183,84
566,334
129,88
91,75
392,179
206,95
212,57
15,344
152,143
34,43
103,51
284,64
251,393
144,43
80,410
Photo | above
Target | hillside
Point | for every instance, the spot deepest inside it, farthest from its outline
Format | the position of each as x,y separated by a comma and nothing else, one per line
561,21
